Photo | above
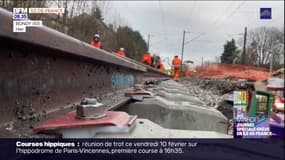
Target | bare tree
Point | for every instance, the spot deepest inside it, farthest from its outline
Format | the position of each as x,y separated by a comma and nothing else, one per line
267,43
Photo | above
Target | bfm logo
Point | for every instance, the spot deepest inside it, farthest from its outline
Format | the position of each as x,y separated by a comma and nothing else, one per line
20,13
20,10
265,13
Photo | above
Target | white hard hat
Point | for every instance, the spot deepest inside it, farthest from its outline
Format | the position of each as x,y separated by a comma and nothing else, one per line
97,35
122,49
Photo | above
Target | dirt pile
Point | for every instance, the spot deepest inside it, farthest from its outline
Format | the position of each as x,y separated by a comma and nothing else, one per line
218,86
220,71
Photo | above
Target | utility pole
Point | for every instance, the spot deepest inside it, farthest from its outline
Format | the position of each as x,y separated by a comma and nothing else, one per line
202,63
182,47
148,41
271,65
183,43
244,46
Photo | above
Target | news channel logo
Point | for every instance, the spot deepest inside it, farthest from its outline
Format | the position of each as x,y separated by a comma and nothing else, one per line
265,13
20,13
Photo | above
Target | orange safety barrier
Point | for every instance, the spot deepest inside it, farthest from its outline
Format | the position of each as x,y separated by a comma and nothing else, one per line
232,71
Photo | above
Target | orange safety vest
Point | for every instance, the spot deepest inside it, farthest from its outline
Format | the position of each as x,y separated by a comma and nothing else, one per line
146,58
121,53
96,44
176,62
161,66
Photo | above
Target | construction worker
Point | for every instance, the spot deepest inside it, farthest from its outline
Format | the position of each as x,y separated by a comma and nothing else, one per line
176,62
147,58
160,66
153,61
96,41
121,52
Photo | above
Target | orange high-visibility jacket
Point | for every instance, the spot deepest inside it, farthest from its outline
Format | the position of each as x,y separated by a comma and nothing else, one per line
161,66
96,44
146,58
176,62
121,53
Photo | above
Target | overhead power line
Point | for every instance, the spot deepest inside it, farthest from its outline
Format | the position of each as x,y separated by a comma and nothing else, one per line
163,22
231,14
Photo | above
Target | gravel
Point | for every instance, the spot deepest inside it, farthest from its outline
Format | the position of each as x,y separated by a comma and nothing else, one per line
215,93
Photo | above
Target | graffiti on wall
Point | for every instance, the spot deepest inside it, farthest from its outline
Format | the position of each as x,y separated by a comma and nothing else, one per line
120,81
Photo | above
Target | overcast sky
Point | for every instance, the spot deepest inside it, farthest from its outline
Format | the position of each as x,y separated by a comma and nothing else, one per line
212,22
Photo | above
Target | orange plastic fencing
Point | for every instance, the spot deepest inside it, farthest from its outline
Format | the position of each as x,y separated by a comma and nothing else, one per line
231,71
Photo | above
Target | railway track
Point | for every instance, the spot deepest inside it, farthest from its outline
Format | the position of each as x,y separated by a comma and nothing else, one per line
43,70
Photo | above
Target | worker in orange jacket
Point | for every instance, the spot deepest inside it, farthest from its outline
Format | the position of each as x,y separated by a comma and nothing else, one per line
121,52
147,58
96,41
176,62
160,66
